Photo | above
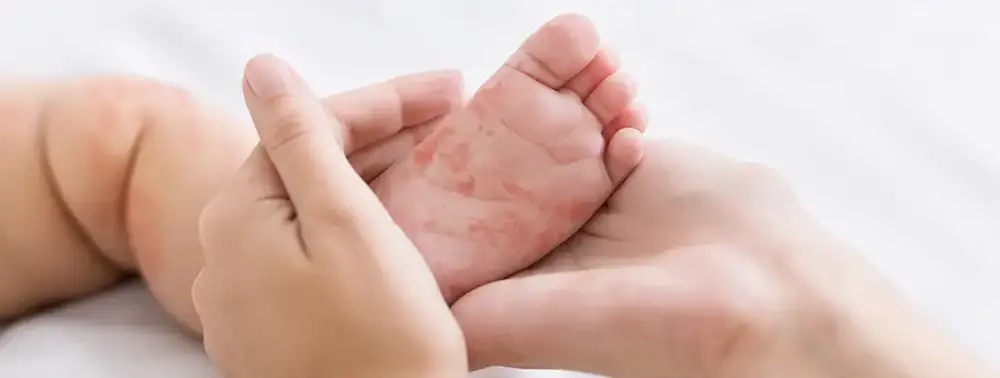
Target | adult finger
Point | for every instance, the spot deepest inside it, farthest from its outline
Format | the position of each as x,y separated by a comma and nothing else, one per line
300,140
377,112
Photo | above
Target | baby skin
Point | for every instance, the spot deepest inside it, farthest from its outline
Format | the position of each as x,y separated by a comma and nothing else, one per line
104,177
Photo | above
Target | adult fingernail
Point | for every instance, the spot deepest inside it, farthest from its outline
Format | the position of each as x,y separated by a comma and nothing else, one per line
269,77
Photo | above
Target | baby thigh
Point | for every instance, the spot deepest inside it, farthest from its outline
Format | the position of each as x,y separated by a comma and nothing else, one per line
105,176
46,256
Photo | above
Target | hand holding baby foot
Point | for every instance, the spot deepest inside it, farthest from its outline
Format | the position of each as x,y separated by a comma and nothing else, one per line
306,274
704,266
519,169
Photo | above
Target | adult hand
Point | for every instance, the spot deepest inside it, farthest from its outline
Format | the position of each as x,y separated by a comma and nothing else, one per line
702,266
193,148
305,273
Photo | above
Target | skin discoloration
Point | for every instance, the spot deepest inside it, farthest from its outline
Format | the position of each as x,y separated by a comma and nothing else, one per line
428,151
425,152
458,158
575,210
466,187
518,192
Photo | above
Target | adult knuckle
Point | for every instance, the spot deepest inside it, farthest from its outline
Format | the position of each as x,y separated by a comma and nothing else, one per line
220,222
341,214
735,334
726,332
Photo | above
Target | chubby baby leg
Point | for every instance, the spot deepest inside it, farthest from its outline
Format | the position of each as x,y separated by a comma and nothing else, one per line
68,157
44,256
59,168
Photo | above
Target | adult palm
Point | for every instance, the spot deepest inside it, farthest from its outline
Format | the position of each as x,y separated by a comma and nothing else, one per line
693,268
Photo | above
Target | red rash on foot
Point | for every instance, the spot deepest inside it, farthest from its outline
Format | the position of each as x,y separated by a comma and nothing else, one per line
576,211
459,158
512,227
517,192
424,153
499,230
467,187
476,227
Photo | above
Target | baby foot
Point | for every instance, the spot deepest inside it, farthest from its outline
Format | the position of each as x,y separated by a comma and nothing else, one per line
523,166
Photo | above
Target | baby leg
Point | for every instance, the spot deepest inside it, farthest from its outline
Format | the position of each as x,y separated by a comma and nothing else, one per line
56,220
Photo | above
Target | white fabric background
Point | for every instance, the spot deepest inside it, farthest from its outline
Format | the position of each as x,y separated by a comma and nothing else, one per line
882,113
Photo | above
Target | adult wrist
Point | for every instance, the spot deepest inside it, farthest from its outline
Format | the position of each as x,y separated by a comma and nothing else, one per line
882,336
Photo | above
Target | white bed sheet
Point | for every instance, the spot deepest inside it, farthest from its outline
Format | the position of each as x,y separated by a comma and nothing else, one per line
882,113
